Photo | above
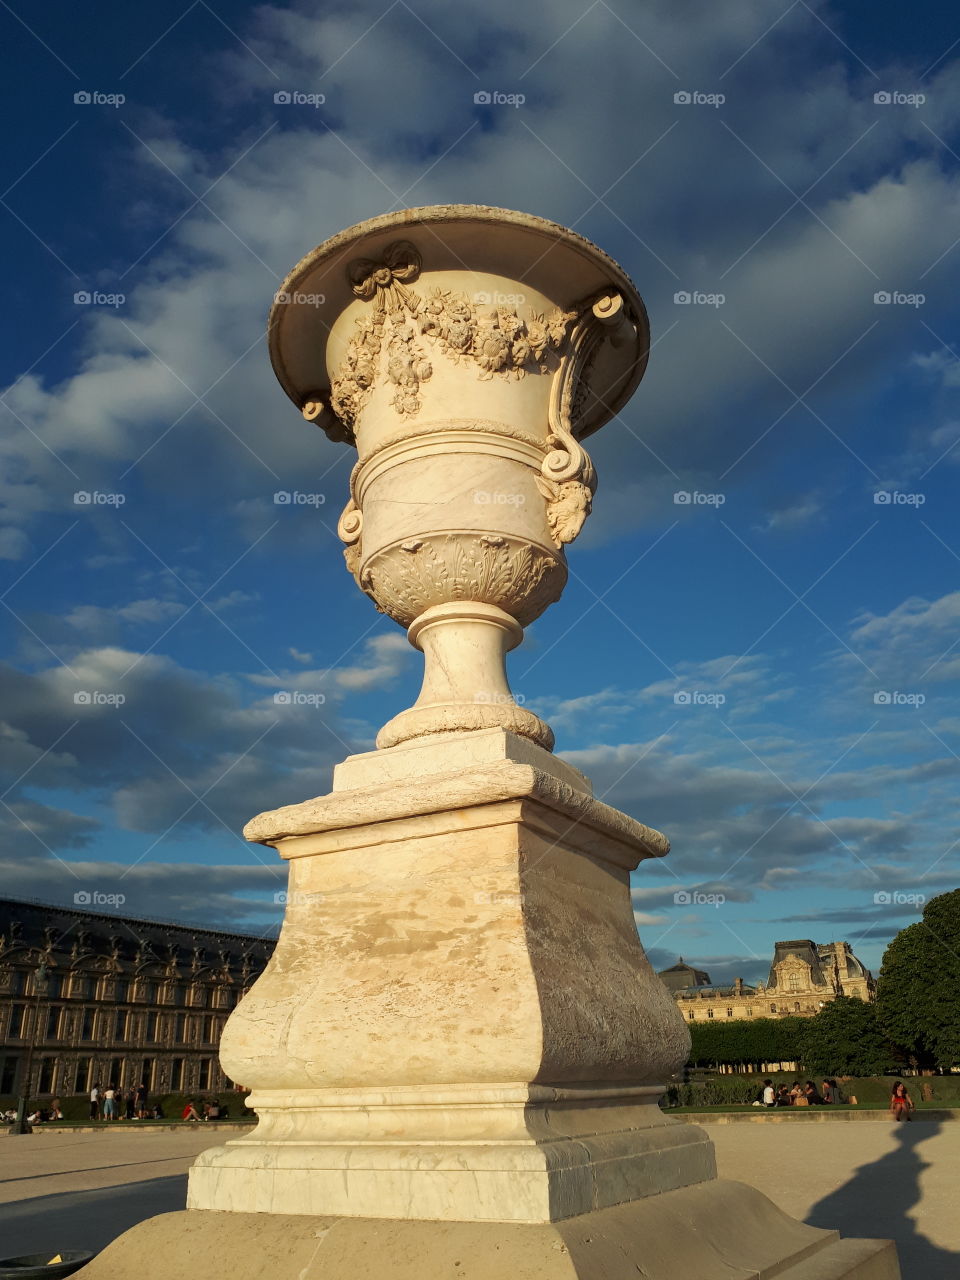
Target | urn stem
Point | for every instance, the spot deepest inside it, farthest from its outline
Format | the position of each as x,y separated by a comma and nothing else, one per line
465,687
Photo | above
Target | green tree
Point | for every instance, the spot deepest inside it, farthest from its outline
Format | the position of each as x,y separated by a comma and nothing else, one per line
845,1039
919,980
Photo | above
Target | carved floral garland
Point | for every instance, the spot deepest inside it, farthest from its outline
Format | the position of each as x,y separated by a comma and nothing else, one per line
498,340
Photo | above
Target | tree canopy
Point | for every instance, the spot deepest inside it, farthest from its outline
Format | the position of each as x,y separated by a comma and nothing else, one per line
917,991
845,1039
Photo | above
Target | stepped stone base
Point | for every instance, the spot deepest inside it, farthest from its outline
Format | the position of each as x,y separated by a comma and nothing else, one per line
717,1230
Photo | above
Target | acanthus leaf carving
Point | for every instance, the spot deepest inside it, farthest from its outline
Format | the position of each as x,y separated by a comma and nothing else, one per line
520,577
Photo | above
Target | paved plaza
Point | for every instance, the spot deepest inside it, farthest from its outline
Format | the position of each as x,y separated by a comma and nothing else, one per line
81,1190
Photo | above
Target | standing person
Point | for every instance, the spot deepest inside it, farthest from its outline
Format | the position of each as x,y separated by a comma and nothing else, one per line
141,1101
901,1104
109,1103
769,1094
95,1102
130,1098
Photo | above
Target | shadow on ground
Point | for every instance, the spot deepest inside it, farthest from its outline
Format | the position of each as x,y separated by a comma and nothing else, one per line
86,1219
877,1199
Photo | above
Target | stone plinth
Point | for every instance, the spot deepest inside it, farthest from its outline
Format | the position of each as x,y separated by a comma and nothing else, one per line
417,904
713,1231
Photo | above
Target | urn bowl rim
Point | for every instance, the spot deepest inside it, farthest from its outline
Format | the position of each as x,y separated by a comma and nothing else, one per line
560,263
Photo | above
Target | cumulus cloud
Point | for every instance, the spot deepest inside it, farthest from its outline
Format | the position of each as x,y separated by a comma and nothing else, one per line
798,285
170,748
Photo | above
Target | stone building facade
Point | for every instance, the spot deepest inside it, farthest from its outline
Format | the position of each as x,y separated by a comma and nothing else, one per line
91,998
804,976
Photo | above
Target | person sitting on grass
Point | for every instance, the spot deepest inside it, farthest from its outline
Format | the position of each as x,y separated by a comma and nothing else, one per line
812,1094
190,1111
783,1097
901,1104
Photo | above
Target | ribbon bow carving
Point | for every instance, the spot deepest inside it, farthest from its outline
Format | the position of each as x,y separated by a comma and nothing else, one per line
386,280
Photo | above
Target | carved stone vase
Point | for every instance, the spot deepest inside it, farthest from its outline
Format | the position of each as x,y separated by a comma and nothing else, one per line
466,352
457,1051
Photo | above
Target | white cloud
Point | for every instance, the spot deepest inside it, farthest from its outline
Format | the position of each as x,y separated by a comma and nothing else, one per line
95,618
798,300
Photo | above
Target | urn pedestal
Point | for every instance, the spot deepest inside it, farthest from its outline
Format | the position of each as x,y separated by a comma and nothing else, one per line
457,1050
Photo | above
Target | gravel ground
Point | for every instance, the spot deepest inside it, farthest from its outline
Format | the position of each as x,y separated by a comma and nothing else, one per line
895,1181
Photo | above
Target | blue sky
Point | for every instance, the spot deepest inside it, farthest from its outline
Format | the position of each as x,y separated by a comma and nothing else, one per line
768,675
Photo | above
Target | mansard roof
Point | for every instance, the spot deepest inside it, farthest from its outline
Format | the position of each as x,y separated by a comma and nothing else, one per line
74,934
680,976
827,960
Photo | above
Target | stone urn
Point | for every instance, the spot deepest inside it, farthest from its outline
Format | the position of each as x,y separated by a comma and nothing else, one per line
466,352
457,1050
